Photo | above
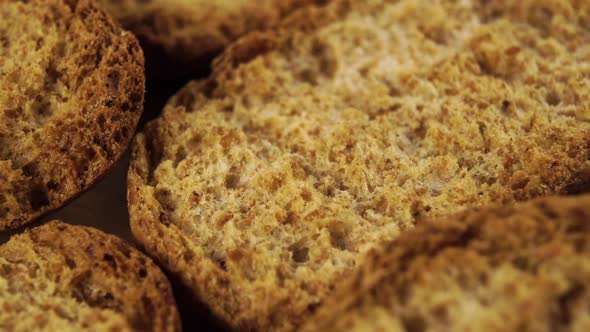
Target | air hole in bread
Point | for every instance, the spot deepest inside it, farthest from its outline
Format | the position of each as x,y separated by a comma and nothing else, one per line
12,113
180,156
124,133
194,142
107,298
223,218
5,270
291,218
275,184
547,210
327,58
414,324
38,198
33,272
117,136
220,262
417,209
149,308
185,99
553,98
126,107
226,30
520,263
306,195
98,141
110,260
163,220
4,41
195,198
30,170
308,76
39,44
155,154
52,185
53,75
142,273
229,108
165,198
101,120
300,255
338,237
188,255
113,79
232,180
441,313
71,263
42,108
312,307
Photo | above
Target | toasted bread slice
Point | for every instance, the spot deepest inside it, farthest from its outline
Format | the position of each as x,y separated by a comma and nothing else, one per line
71,93
265,184
59,277
524,267
180,36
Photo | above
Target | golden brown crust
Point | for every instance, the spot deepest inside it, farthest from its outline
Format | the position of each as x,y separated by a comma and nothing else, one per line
264,185
188,32
169,245
74,277
474,271
70,100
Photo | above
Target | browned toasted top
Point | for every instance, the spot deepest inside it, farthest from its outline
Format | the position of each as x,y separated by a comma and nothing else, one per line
310,145
507,268
59,277
71,93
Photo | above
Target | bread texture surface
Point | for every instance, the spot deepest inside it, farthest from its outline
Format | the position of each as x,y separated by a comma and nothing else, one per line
309,145
59,277
71,94
185,33
524,267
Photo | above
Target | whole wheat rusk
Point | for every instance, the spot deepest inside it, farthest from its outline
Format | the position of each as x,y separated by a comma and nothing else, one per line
58,277
523,267
265,184
71,93
181,35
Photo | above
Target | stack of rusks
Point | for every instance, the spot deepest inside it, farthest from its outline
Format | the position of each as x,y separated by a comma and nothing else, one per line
344,165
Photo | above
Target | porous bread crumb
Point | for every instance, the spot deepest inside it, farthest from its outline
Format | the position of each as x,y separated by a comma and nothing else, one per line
41,309
511,268
182,34
71,93
58,277
265,184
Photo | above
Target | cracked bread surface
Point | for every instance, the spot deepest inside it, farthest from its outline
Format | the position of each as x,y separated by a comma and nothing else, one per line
309,145
71,94
184,33
59,277
523,267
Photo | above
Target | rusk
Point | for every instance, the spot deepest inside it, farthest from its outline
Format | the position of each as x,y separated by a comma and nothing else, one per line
524,267
265,184
71,94
59,277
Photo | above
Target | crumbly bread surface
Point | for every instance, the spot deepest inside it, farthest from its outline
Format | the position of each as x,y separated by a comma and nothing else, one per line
189,31
71,93
263,185
59,277
524,267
